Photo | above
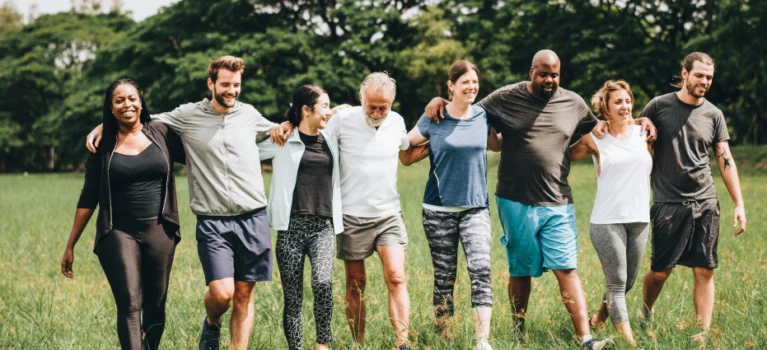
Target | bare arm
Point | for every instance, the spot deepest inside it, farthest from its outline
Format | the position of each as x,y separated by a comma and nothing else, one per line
729,173
494,140
82,216
435,109
414,154
583,148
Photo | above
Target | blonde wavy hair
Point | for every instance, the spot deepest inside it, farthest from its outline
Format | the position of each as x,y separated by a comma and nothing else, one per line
601,97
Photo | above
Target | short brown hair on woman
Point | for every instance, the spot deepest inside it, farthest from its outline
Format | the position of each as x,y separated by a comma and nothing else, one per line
457,70
600,99
230,63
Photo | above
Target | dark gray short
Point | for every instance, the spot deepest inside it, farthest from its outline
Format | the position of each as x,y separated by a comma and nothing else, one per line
685,234
235,246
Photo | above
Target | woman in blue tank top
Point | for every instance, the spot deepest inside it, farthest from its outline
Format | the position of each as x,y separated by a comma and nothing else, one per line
456,200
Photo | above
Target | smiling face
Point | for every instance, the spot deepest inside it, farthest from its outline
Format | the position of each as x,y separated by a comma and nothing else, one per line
619,105
226,88
698,80
376,103
544,78
317,117
465,88
126,105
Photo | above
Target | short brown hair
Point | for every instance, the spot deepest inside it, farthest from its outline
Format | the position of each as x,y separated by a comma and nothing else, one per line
690,60
600,99
230,63
457,70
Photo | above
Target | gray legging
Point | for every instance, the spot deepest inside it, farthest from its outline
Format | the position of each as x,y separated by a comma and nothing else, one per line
620,248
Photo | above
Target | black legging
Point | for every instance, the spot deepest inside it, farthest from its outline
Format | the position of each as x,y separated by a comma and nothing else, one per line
137,258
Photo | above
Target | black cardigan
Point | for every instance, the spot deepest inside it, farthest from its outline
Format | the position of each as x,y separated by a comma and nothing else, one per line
96,191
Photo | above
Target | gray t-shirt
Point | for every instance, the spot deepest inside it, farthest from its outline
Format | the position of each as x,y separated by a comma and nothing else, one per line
681,169
535,158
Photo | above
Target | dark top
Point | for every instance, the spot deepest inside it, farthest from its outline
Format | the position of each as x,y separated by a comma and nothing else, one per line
96,190
136,183
313,194
681,169
535,159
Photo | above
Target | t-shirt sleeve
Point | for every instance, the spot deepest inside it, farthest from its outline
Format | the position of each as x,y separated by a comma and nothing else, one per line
334,124
492,106
423,125
587,119
173,119
649,110
720,128
404,143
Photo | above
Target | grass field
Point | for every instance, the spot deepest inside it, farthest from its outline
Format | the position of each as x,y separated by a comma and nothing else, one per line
40,309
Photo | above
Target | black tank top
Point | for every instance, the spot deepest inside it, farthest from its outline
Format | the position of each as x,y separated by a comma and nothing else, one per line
313,194
137,183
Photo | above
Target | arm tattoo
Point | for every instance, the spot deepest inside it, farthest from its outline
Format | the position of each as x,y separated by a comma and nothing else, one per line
721,152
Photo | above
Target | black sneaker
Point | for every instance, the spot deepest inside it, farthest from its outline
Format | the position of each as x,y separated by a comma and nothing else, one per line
597,344
403,347
209,336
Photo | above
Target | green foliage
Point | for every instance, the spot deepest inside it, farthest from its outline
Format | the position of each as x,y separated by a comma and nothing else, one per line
57,67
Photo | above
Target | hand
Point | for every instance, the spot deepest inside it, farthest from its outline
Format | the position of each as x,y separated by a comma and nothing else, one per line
601,129
435,109
67,261
338,108
94,138
281,132
739,217
647,125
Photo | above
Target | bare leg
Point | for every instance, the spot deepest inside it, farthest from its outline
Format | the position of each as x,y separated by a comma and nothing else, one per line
653,284
393,259
481,317
625,329
241,323
704,295
218,298
574,300
519,295
355,301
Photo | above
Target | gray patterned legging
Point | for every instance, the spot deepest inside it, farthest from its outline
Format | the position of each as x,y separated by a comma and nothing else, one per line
313,236
444,230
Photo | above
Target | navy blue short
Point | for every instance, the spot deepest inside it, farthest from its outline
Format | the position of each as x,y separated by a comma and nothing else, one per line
235,246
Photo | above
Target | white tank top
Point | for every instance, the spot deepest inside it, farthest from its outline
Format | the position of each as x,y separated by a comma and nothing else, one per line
623,179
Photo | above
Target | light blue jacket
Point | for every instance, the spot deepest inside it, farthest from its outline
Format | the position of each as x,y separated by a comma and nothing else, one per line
285,164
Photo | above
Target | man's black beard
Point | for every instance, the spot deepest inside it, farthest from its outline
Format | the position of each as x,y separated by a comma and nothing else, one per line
545,94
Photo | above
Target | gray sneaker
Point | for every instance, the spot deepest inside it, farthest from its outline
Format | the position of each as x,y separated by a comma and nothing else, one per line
597,344
209,336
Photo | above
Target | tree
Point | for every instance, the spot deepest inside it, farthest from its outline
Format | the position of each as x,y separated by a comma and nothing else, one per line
10,18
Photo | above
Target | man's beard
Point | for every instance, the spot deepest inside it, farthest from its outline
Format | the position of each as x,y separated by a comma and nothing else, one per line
220,98
375,122
545,94
692,87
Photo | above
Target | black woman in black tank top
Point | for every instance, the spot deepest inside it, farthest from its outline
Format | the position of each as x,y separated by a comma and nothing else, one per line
130,179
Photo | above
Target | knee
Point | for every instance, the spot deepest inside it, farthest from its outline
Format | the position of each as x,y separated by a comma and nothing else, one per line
660,276
395,279
355,285
130,305
703,273
221,297
243,296
321,284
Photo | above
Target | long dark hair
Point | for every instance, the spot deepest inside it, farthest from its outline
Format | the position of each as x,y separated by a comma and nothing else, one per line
306,95
109,133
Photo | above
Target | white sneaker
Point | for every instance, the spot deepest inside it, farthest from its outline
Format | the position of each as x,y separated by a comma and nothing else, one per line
483,345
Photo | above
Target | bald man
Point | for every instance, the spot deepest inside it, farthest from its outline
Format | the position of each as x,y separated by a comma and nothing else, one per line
537,119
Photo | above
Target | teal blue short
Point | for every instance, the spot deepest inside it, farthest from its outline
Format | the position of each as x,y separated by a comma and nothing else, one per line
538,238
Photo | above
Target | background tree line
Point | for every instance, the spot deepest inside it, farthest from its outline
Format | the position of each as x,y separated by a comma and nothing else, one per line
56,67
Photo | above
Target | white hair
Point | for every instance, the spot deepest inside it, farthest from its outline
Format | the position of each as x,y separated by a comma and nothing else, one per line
378,81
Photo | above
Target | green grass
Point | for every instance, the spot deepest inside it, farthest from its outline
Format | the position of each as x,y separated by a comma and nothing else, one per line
40,309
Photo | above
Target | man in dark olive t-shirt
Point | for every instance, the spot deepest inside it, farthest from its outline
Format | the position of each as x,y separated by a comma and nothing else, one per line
685,213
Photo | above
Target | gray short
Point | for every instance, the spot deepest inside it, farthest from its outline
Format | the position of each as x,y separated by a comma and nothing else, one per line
362,235
235,246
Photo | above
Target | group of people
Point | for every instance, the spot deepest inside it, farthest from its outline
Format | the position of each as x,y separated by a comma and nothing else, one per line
334,189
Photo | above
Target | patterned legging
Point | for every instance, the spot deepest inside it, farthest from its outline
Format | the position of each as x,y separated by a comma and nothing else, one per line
444,230
313,236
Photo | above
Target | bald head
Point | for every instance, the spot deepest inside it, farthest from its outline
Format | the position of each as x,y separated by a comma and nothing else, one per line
545,58
544,74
